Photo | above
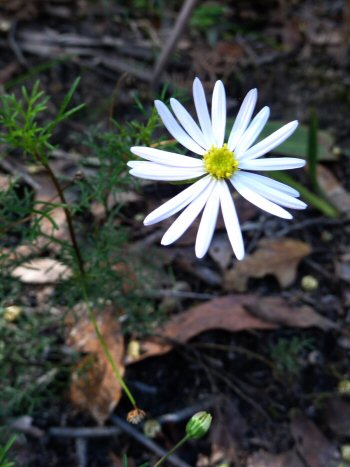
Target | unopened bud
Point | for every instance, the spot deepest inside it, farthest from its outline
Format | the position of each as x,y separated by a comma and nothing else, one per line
309,283
198,425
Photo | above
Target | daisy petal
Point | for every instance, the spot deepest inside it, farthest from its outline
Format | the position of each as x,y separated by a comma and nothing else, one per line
270,193
231,220
271,142
270,182
258,200
272,163
175,129
185,219
243,118
166,157
252,132
177,203
218,113
152,171
188,123
202,112
207,224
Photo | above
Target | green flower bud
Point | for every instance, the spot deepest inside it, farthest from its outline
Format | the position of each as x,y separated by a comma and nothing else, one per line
198,425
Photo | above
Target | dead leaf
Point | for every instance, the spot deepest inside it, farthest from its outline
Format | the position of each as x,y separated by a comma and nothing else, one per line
228,313
220,250
276,310
284,459
232,313
337,416
333,189
314,448
278,257
94,385
42,271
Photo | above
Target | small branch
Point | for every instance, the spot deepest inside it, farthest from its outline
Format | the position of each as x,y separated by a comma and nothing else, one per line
170,45
91,432
68,216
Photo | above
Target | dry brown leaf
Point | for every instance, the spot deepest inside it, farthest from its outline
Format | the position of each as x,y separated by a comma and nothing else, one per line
313,447
94,386
278,257
228,313
232,313
333,189
265,459
42,271
276,310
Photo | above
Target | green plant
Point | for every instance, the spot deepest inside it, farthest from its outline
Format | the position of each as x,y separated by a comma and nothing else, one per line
288,353
4,460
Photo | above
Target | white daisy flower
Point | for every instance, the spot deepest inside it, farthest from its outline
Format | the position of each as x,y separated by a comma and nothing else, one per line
219,165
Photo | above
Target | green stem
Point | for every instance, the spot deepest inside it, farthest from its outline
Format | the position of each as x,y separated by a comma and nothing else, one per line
179,444
106,349
83,278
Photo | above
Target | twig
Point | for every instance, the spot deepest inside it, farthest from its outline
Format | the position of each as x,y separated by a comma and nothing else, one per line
187,412
14,46
174,460
16,170
180,25
90,432
81,449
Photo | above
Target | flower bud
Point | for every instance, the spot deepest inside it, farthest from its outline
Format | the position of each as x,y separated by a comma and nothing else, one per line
198,425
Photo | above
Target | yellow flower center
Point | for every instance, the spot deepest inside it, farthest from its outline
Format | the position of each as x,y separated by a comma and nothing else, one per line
221,162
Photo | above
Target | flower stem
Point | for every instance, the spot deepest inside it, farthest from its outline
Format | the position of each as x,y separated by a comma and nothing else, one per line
80,261
168,454
106,349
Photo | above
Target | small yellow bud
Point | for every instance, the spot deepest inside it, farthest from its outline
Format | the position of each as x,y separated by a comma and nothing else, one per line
344,387
12,313
198,425
309,283
152,428
345,452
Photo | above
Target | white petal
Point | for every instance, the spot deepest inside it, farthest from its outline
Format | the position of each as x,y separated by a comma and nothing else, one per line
252,132
271,142
177,203
270,182
258,200
218,113
166,157
202,112
186,218
175,130
270,193
243,118
272,163
231,220
188,123
207,224
152,171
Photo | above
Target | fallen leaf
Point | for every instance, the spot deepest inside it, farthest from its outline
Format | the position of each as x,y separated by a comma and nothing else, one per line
333,189
314,448
220,250
278,257
228,313
337,416
277,310
284,459
42,271
94,385
231,313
